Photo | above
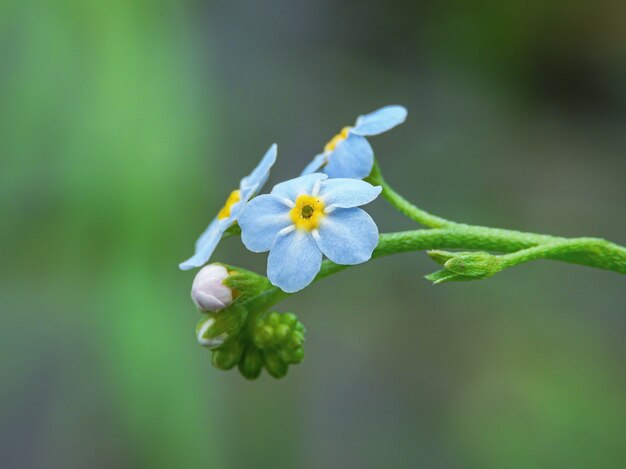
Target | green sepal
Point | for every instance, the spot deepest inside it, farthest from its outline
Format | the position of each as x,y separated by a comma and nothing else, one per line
440,257
245,283
445,275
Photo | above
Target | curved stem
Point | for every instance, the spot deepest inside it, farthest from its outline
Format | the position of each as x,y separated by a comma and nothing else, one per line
403,205
592,252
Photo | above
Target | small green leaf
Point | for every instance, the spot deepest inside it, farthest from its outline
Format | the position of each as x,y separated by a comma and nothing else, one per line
245,283
440,257
440,276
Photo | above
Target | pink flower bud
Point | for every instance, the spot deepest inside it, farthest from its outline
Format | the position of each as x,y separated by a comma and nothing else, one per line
208,291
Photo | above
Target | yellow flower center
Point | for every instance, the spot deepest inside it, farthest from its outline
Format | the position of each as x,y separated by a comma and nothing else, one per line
307,213
337,139
233,198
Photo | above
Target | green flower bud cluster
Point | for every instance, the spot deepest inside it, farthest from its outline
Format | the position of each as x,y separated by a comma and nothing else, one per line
462,266
241,333
275,341
280,337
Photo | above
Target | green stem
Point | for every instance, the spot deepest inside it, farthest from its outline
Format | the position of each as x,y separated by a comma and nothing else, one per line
403,205
592,252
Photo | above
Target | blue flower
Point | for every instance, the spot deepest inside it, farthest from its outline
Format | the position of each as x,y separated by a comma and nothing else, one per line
306,217
348,154
228,215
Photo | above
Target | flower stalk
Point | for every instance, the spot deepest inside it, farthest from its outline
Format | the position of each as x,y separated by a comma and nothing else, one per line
402,205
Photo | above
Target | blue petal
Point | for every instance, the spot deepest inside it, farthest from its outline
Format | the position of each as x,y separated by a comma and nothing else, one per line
260,221
294,261
237,207
294,187
352,158
346,193
258,177
314,165
249,185
380,121
206,244
348,236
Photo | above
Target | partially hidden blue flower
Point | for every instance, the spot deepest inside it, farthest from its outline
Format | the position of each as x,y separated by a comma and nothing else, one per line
228,215
348,154
306,217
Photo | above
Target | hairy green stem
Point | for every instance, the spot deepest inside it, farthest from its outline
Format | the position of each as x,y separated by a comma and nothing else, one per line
592,252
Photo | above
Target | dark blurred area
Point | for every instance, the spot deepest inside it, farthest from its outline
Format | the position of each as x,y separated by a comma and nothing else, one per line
125,124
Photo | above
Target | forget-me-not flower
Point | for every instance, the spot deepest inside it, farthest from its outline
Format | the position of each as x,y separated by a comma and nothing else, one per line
228,215
306,217
348,154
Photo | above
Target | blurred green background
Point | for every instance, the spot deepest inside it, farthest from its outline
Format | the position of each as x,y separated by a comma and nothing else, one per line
124,125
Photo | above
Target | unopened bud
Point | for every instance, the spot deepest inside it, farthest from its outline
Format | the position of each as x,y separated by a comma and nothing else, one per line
228,356
278,331
474,264
208,291
203,333
462,266
280,338
251,363
274,365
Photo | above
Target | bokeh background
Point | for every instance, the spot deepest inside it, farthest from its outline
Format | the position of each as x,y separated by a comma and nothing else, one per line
123,126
